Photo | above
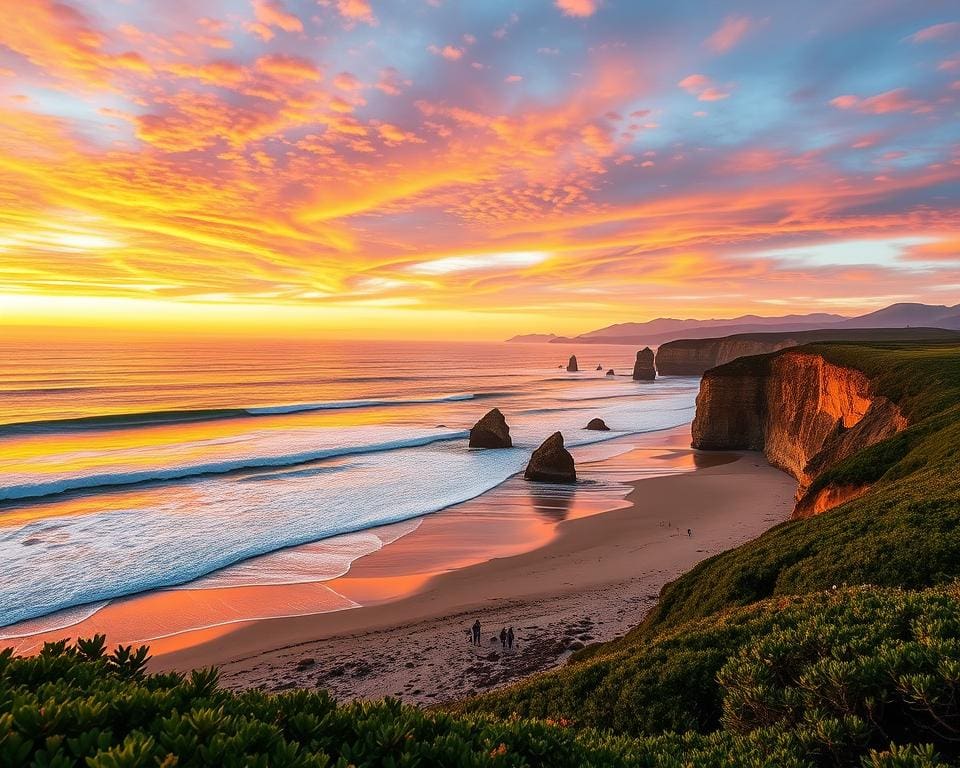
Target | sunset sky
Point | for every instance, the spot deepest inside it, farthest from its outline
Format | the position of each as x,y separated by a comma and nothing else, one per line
432,168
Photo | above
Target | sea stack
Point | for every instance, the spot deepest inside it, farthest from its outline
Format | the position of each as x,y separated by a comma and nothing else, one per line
599,367
491,432
611,373
643,369
551,462
572,365
597,425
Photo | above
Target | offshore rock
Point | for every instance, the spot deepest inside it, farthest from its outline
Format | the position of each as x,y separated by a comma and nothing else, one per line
572,365
643,369
491,432
598,425
610,372
551,462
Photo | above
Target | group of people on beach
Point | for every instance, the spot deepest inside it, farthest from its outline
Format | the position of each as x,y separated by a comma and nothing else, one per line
506,636
668,524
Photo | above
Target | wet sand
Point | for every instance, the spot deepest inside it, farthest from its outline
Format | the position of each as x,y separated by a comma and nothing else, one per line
592,578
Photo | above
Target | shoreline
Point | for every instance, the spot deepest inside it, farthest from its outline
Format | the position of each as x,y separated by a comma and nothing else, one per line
378,564
593,580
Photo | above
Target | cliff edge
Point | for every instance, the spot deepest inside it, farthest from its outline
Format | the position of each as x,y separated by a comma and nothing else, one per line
692,357
805,413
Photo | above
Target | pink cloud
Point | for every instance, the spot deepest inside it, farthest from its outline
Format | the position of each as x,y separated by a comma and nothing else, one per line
731,32
356,10
936,32
391,83
346,81
703,88
271,13
450,52
896,100
288,68
512,79
578,8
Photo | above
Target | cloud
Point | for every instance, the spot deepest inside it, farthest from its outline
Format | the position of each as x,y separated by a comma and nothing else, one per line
578,8
391,82
513,79
291,69
356,10
944,31
703,88
271,14
729,34
450,52
897,100
480,261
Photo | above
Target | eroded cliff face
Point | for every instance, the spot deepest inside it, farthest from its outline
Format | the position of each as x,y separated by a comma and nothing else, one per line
693,357
805,413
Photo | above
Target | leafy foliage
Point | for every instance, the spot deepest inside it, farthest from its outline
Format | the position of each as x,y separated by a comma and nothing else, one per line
860,674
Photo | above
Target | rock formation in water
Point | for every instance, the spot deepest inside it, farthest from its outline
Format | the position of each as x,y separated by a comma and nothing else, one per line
643,369
491,432
551,462
572,365
598,425
599,367
610,372
805,413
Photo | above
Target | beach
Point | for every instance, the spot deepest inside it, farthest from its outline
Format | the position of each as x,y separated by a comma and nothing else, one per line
592,581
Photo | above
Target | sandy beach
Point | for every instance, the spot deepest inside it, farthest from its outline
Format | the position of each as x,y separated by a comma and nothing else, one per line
591,581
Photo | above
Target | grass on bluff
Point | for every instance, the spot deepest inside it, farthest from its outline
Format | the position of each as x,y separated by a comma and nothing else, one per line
905,532
859,677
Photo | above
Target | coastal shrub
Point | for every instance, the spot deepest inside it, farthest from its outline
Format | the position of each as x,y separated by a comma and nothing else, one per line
847,672
76,705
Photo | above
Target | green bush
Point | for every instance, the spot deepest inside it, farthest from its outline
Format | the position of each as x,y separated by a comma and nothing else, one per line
73,705
845,672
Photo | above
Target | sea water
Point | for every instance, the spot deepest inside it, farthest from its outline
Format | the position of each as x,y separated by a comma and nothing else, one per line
126,467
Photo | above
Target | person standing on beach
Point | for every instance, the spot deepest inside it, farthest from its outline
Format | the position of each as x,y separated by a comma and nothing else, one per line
476,632
503,638
510,638
689,533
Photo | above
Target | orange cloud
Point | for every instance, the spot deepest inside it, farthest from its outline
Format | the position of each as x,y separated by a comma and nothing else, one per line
292,69
578,8
356,10
270,14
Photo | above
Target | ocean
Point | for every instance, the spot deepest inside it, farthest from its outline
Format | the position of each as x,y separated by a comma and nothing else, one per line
129,467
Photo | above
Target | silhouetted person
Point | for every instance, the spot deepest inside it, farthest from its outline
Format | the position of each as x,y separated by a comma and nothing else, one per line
476,632
510,638
689,533
503,638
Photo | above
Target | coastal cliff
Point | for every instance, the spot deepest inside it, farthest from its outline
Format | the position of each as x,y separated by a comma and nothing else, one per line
805,413
693,357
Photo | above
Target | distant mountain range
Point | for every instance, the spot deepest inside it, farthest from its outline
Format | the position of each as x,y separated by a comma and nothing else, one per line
665,329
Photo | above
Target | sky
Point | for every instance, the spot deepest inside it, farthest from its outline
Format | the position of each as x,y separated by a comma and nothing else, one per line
442,169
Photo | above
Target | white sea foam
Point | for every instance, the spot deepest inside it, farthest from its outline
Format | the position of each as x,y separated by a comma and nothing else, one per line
163,535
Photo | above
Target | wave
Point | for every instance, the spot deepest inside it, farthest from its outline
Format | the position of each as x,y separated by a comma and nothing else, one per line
113,479
186,415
